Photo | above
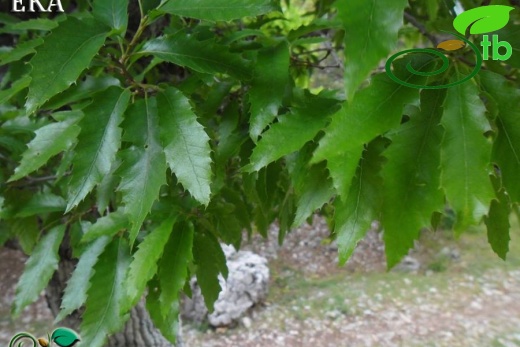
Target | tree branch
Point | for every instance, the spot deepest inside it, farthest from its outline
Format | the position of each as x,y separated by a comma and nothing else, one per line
422,29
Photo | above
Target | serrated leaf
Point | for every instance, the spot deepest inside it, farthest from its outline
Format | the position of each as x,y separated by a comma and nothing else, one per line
83,90
20,51
106,188
143,169
27,232
375,110
102,313
12,144
354,212
270,78
98,142
314,190
75,294
292,131
169,325
41,24
412,177
218,10
108,225
49,141
497,221
144,263
113,13
53,73
186,144
465,155
41,203
211,262
184,49
173,267
506,148
38,270
371,28
16,87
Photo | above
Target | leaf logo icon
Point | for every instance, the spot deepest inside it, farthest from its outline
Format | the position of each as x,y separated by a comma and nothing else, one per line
64,337
482,20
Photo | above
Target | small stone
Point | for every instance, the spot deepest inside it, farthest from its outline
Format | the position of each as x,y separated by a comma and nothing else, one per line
246,322
221,330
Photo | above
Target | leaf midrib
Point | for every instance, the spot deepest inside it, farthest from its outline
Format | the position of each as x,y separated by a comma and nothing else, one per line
72,56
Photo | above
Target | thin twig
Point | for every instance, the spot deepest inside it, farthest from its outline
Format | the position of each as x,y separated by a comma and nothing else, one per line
422,29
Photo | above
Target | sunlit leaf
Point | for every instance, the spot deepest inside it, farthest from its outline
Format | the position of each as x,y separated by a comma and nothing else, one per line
218,10
465,155
186,144
38,270
53,73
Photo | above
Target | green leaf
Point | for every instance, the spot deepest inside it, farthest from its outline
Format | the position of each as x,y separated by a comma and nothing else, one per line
292,131
64,337
311,183
27,232
83,90
511,34
370,115
371,28
482,20
211,262
108,225
41,203
105,189
149,5
98,142
38,270
173,267
102,313
270,78
41,24
75,294
113,13
144,265
316,191
497,221
49,141
412,177
506,148
53,73
20,51
143,170
218,10
186,144
375,110
354,212
169,325
465,155
184,49
16,87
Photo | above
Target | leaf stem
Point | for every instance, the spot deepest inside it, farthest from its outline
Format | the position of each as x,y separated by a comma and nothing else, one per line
140,30
141,8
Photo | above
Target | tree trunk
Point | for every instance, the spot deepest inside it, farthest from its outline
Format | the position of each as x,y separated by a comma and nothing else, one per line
139,330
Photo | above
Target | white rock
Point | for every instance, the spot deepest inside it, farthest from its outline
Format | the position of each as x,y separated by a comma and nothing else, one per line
246,285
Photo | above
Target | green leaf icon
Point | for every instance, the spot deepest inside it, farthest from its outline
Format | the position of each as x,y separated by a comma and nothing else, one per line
64,337
483,19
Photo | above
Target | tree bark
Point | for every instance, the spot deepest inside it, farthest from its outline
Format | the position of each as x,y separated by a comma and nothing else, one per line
139,330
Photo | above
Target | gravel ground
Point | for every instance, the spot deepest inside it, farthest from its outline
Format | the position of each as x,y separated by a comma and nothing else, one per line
315,303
